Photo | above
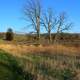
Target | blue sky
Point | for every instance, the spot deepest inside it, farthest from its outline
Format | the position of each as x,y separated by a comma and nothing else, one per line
11,13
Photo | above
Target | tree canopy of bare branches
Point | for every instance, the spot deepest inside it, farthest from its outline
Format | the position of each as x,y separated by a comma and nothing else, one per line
49,22
33,14
32,11
62,25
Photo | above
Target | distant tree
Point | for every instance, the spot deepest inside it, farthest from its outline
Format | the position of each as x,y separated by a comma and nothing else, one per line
62,25
32,11
9,34
49,21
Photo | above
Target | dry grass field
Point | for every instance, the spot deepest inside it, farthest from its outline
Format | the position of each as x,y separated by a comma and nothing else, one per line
46,62
17,49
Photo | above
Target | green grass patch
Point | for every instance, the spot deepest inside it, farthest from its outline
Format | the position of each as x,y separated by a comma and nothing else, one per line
10,68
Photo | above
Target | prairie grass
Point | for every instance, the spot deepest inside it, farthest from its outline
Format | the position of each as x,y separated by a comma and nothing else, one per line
52,62
52,67
24,49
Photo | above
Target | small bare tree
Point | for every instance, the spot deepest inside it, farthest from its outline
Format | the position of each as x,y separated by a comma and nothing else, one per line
49,21
32,11
62,25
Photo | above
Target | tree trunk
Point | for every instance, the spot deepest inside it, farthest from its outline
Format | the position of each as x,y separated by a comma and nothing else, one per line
49,35
57,35
56,38
38,29
38,35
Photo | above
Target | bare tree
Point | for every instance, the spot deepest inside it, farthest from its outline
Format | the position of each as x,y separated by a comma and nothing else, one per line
49,21
62,25
32,11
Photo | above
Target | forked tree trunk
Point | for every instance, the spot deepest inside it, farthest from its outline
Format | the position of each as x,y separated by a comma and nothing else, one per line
38,29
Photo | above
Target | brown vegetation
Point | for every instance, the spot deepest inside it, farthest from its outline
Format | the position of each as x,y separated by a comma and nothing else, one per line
51,49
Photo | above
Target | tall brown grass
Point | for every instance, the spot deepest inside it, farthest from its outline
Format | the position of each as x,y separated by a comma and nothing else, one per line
61,60
51,49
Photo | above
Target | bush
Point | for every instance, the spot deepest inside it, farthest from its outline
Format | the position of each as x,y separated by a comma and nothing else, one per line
9,34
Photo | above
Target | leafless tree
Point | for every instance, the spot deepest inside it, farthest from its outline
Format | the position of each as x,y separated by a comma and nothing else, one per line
49,21
62,25
32,11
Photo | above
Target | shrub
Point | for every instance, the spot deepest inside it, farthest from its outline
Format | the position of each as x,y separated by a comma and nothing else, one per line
9,34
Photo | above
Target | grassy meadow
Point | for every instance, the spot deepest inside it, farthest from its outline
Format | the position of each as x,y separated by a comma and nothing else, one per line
23,61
